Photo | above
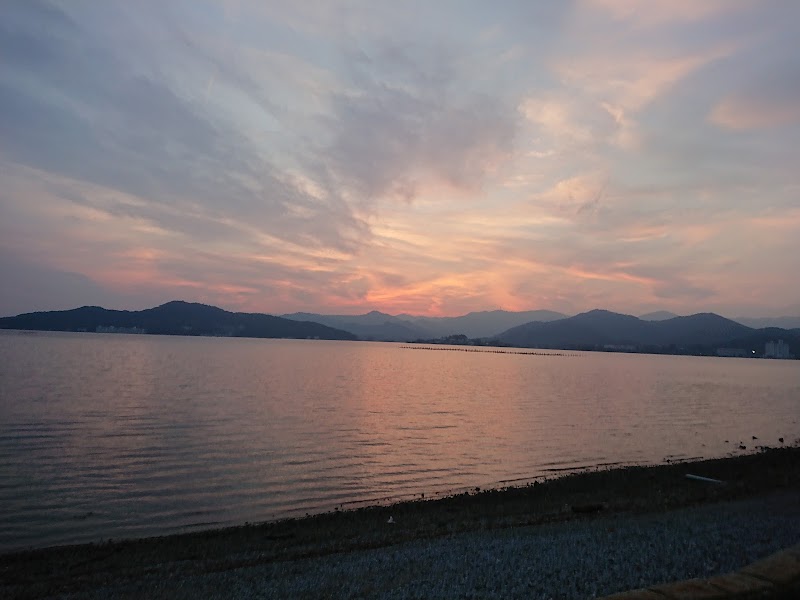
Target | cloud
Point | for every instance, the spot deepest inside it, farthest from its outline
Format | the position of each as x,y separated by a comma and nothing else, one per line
359,155
630,83
145,140
29,287
757,111
616,88
652,14
768,98
406,121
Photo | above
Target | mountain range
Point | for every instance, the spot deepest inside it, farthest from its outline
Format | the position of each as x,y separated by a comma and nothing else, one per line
659,315
405,328
174,318
761,323
754,322
702,333
599,329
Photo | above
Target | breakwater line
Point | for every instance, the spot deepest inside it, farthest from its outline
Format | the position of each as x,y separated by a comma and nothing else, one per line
480,350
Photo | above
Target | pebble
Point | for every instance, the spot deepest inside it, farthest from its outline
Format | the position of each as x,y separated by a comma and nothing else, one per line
580,559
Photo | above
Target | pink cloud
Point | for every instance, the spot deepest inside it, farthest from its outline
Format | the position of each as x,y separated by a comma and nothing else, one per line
651,14
743,112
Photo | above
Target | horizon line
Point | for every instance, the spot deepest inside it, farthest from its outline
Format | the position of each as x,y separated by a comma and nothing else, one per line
411,315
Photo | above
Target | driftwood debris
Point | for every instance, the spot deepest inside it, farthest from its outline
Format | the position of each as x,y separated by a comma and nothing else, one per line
701,478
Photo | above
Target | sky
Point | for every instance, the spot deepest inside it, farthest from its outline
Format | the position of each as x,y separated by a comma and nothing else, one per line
431,158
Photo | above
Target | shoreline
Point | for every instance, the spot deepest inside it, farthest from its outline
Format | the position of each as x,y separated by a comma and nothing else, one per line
576,497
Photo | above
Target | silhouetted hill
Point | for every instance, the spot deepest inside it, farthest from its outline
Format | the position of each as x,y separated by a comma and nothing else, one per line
590,329
599,328
767,322
481,324
174,318
699,329
659,315
371,326
403,328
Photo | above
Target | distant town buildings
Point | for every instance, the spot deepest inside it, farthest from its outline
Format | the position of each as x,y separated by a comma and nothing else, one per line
772,349
113,329
779,349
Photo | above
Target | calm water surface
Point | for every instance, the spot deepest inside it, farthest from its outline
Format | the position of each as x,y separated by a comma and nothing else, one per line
110,436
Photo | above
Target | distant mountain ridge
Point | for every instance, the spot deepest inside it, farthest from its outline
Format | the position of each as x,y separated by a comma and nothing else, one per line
405,328
702,333
785,322
484,323
765,322
374,325
602,329
659,315
174,318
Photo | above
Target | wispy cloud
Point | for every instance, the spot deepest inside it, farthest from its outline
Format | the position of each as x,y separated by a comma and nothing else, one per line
650,14
421,157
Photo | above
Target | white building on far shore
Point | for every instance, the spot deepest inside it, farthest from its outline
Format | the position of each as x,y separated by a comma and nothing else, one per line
779,349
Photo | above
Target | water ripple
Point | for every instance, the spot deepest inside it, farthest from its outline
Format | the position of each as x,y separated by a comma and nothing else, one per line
117,436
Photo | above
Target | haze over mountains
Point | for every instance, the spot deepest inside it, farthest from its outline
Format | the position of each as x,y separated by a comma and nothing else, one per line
659,315
754,322
760,323
702,333
382,327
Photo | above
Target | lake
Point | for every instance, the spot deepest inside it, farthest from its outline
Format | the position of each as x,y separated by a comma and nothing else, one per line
111,436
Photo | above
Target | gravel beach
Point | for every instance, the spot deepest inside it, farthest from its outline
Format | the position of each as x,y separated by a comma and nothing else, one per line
582,536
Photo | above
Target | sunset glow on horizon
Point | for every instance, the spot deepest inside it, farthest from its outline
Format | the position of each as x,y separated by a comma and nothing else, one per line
423,158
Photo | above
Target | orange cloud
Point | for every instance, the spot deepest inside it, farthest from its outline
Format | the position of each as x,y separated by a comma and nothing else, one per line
629,82
789,219
613,275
